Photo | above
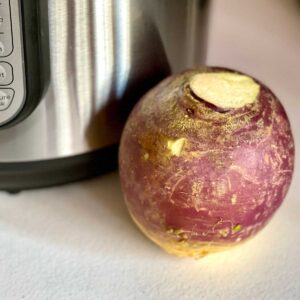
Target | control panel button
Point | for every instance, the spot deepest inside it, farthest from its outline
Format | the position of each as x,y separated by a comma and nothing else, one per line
3,3
2,49
6,73
6,98
6,46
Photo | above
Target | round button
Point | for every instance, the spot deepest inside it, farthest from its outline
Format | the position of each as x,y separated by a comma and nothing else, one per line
6,73
3,74
6,98
2,49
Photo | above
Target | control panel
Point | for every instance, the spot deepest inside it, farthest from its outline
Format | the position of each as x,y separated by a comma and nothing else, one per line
12,68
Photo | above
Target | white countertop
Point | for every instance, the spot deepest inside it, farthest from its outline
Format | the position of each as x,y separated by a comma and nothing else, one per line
78,242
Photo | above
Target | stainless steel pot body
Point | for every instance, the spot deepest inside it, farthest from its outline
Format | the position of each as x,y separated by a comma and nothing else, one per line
104,54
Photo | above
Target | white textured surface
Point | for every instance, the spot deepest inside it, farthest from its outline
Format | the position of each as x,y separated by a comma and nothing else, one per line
77,242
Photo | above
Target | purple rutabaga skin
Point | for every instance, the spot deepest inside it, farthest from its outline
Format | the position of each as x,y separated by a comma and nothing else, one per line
196,178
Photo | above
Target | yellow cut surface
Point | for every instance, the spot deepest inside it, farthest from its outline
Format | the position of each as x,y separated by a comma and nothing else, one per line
225,90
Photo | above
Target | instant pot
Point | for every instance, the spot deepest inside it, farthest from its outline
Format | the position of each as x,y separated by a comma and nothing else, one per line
71,71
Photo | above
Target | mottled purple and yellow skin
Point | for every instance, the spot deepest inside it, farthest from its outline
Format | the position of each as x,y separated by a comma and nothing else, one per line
197,179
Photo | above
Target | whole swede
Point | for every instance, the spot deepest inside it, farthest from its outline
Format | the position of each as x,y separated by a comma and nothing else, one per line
206,158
